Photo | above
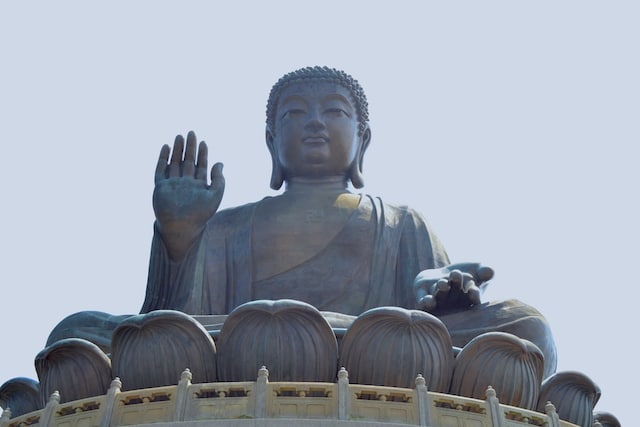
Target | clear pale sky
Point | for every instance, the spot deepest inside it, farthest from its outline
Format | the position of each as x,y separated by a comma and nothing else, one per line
512,126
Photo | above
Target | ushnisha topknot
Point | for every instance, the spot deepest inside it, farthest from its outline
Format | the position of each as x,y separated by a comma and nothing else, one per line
323,74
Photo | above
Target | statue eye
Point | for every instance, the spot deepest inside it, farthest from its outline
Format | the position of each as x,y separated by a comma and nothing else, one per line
337,112
293,112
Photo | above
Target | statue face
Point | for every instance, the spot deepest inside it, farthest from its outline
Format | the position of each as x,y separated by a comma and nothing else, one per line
316,130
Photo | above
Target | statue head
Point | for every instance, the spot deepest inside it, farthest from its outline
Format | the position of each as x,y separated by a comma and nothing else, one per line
317,126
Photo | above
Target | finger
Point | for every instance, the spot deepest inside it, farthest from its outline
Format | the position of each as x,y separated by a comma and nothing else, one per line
456,279
427,303
217,179
189,164
474,295
485,273
161,167
441,286
468,284
201,164
176,156
420,293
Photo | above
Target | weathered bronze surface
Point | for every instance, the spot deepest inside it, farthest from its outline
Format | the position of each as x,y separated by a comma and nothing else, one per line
148,349
74,368
388,345
512,366
290,337
317,242
20,394
576,395
305,282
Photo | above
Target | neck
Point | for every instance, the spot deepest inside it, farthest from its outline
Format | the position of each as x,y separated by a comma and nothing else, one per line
331,185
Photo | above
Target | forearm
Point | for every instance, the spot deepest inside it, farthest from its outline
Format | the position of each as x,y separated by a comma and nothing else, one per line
169,282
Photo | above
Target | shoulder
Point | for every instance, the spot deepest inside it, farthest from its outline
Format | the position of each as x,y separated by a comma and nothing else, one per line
392,212
232,218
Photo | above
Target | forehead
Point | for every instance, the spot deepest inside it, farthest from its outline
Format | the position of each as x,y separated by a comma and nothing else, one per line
315,91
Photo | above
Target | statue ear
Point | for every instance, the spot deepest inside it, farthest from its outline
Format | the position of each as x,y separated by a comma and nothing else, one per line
355,172
277,177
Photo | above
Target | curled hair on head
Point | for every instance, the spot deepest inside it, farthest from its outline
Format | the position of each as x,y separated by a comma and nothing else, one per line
322,74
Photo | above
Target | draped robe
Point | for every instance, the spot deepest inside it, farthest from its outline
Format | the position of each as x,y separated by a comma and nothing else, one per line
371,262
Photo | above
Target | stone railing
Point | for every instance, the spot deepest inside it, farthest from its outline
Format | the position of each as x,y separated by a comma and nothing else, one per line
270,404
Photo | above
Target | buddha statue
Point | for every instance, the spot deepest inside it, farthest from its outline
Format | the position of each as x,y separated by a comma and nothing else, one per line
316,242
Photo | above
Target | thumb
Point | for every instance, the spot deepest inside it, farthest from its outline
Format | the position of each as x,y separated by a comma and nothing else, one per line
217,179
485,273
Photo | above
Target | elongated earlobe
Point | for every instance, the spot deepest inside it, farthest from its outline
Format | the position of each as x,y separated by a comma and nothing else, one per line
355,171
277,177
355,174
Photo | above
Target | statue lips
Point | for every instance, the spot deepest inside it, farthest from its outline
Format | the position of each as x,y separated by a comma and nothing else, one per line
315,140
316,148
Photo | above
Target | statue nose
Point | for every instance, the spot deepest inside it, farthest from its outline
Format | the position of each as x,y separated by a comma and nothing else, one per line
314,124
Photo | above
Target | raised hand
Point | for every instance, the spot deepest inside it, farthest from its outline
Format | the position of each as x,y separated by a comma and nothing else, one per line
183,200
455,286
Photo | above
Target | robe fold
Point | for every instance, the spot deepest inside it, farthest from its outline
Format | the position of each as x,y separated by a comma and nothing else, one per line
371,262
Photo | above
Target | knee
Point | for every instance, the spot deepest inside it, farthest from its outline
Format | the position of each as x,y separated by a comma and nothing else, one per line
93,326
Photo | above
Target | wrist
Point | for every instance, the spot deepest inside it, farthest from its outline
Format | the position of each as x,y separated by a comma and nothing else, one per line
178,237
